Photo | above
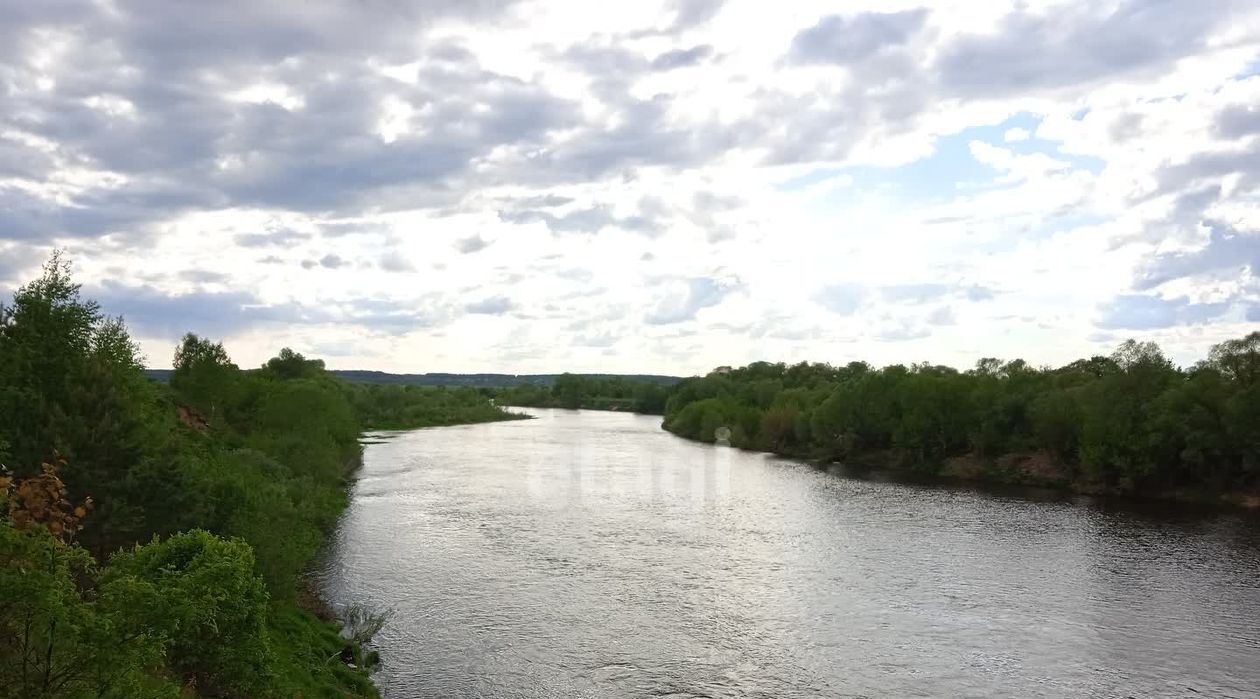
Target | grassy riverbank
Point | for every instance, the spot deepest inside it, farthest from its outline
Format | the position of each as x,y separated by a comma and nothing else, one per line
155,538
1127,424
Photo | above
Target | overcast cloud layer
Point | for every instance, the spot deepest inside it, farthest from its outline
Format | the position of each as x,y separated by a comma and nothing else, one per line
547,186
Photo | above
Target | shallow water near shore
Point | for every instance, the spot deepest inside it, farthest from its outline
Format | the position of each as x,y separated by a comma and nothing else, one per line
595,555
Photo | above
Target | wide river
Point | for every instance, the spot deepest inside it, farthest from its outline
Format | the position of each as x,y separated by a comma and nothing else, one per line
587,554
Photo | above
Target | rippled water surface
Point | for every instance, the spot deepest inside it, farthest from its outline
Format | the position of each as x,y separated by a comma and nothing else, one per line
589,554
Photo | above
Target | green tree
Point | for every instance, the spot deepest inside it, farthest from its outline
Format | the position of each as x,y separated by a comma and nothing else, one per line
1238,360
204,375
292,365
1056,423
201,593
46,337
191,609
568,391
70,384
1116,438
62,634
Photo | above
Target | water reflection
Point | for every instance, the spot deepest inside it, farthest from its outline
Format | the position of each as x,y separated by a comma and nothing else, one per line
592,554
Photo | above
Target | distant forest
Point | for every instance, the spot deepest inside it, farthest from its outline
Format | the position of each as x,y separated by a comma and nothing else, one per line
380,395
1131,422
475,380
593,391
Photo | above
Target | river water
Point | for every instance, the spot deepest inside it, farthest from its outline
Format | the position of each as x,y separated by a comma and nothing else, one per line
586,554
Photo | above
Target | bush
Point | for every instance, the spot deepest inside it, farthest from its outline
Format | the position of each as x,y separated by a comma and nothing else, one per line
201,592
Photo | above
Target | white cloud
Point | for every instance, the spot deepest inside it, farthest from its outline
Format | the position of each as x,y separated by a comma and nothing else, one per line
1016,134
542,186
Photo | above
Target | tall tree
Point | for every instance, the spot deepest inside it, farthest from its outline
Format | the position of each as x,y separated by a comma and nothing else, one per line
204,375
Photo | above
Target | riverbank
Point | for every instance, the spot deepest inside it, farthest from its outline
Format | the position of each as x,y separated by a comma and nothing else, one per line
610,405
1026,469
1131,424
505,416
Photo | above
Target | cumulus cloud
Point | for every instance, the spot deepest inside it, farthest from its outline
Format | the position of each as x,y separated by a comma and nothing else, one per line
589,220
975,292
692,13
494,305
203,276
903,332
182,142
153,312
914,293
941,316
931,291
275,238
1238,121
393,316
394,262
1099,160
1227,252
1073,46
843,299
471,244
1148,312
682,58
839,39
686,302
17,259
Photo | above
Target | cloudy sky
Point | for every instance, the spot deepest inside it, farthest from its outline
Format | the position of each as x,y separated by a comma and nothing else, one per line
545,186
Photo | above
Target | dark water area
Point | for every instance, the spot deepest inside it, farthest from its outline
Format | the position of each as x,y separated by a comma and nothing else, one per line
586,554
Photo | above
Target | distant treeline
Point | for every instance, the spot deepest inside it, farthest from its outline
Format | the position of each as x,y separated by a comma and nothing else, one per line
154,538
1130,422
439,379
594,392
393,406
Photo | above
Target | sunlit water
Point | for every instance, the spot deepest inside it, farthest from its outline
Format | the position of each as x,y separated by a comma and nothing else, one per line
589,554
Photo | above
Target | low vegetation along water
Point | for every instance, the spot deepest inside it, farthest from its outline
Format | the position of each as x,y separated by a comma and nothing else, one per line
593,554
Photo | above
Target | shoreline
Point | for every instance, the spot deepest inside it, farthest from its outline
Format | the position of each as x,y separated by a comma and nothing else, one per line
593,408
979,474
403,427
357,659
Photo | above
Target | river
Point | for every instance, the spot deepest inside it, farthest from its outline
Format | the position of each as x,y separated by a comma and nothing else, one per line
587,554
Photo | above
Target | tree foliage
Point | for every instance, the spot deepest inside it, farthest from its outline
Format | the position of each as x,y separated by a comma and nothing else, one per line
640,395
394,406
1127,422
175,568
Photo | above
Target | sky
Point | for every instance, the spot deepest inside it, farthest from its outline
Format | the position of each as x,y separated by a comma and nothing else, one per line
528,187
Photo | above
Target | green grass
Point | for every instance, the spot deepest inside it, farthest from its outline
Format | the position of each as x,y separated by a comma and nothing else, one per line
307,653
